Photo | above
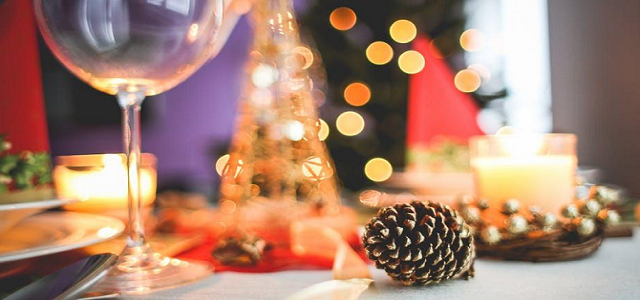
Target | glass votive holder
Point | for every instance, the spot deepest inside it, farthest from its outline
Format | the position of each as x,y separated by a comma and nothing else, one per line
537,170
99,182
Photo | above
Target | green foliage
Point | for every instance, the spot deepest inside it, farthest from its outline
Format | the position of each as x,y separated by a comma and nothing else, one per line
23,170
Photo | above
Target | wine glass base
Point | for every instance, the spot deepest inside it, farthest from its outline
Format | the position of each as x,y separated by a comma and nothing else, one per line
140,271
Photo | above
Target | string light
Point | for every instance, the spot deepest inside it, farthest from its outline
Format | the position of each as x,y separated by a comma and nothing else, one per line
403,31
323,133
411,62
221,162
343,18
378,169
467,81
473,40
379,53
357,94
350,123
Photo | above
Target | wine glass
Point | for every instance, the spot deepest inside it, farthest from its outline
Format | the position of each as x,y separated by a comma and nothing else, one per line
133,49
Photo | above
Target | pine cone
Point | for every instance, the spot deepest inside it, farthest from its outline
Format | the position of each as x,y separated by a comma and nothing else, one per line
420,243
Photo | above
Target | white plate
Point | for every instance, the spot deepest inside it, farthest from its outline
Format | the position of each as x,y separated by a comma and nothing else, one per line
53,232
11,214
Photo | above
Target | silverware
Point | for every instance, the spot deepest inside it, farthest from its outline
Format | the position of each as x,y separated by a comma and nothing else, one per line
70,282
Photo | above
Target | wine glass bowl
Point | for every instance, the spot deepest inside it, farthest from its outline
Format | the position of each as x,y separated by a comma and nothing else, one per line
133,49
132,44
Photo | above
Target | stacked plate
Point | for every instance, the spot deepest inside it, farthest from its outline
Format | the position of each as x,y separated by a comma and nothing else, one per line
27,231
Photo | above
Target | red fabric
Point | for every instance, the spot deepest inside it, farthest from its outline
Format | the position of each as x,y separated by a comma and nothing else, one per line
276,259
22,114
436,108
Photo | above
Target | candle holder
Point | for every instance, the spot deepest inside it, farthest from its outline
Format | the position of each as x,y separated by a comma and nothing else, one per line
99,182
538,170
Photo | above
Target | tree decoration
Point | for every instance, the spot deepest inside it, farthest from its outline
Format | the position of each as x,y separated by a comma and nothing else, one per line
420,243
534,235
276,152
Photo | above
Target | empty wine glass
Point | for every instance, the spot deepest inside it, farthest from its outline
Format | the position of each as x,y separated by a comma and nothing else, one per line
133,49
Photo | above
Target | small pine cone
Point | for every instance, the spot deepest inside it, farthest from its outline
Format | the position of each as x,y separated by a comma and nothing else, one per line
419,243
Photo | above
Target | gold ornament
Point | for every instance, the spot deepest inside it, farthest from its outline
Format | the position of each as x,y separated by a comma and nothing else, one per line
570,211
584,226
590,208
517,224
490,235
510,207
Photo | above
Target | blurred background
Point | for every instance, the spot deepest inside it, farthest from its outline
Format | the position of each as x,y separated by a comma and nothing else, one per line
537,66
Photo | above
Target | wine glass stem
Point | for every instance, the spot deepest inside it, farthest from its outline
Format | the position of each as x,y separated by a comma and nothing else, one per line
130,103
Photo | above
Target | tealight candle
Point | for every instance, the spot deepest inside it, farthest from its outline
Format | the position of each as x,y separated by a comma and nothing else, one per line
99,181
537,170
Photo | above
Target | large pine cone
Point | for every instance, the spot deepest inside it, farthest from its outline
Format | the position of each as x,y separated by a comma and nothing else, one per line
420,243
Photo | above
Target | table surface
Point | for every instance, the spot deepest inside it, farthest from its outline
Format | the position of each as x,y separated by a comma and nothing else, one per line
613,272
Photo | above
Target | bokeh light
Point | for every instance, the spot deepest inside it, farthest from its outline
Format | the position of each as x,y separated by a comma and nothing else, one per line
221,162
473,40
264,75
343,18
411,62
506,130
482,70
378,169
403,31
357,94
467,81
350,123
323,133
379,53
306,54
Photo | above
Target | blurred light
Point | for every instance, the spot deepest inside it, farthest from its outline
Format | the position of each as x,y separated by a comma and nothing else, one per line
192,35
403,31
467,81
342,18
315,168
228,206
261,97
378,169
473,40
506,130
482,70
264,75
323,133
318,97
496,44
489,120
294,130
350,123
357,94
306,54
221,163
411,62
379,53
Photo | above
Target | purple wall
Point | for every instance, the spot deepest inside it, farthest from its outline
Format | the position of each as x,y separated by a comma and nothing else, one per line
188,122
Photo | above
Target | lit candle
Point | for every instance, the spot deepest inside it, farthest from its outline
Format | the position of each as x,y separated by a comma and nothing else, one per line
536,170
99,181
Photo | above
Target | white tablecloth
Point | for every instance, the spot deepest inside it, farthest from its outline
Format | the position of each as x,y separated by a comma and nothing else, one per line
613,272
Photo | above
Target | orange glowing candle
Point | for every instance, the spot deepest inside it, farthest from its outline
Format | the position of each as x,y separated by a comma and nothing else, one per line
99,181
